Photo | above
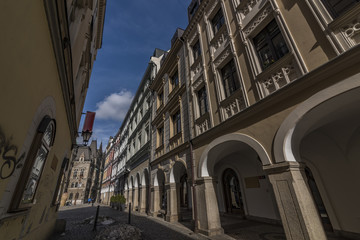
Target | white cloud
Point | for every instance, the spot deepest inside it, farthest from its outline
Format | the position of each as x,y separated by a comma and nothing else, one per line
115,106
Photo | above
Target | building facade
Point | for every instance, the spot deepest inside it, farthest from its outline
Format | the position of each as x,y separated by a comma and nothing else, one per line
107,184
274,114
137,132
84,176
48,63
170,160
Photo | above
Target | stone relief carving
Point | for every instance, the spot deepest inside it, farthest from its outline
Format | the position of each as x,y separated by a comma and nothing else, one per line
254,23
223,56
352,30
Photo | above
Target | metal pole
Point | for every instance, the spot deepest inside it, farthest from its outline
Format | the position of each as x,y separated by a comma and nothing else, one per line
96,217
129,222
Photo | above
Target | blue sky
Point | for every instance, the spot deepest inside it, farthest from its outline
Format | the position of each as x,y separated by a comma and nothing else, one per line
133,29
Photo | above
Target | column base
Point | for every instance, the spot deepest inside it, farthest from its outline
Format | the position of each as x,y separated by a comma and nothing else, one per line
172,218
210,232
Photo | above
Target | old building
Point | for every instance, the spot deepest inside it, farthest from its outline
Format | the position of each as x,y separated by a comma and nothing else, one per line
47,54
107,184
84,176
170,161
274,95
137,130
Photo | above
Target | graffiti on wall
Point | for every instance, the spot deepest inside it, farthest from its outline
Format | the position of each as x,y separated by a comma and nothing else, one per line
8,160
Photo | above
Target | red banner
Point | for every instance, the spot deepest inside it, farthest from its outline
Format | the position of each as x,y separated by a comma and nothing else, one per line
89,121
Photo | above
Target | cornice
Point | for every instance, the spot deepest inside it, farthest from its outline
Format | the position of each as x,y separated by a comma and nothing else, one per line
167,155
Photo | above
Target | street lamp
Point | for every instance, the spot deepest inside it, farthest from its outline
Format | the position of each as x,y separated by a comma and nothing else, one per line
88,126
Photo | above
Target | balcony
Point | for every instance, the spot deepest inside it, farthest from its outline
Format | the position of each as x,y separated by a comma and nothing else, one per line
159,151
202,124
175,141
196,69
232,105
348,25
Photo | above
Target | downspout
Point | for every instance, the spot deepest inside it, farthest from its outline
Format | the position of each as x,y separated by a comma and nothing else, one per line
193,164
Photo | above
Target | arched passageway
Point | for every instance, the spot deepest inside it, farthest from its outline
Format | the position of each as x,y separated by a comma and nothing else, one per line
327,141
321,138
179,194
232,171
159,196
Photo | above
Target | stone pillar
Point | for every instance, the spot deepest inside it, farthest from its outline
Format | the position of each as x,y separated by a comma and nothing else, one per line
208,217
298,212
127,196
156,201
143,199
136,198
172,203
130,198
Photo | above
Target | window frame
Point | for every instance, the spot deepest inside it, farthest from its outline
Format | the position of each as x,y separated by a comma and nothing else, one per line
217,21
176,122
39,142
228,78
196,50
202,98
268,42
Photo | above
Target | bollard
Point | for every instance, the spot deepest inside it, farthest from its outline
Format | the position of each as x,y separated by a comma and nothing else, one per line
129,213
96,217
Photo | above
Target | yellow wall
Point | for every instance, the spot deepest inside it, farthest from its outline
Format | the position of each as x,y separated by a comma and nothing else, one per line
29,75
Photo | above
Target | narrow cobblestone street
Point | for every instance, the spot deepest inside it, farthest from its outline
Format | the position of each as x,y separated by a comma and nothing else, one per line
151,228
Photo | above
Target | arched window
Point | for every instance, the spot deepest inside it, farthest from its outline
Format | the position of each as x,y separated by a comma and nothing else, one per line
76,184
77,195
72,185
34,164
71,196
75,173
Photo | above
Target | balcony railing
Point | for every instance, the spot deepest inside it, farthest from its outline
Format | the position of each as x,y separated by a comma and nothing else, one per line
278,75
159,151
219,42
202,124
175,141
196,69
233,104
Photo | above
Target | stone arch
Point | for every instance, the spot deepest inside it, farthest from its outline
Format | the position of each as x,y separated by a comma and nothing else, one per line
177,166
285,142
203,170
321,133
145,177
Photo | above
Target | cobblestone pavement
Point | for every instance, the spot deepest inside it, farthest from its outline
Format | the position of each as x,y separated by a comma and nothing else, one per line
152,228
155,228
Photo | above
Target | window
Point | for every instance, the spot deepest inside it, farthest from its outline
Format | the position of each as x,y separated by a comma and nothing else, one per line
176,119
175,80
147,103
217,21
76,184
72,185
202,98
75,173
337,7
270,45
161,136
147,133
196,50
230,79
133,143
26,188
71,196
139,140
160,99
82,173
